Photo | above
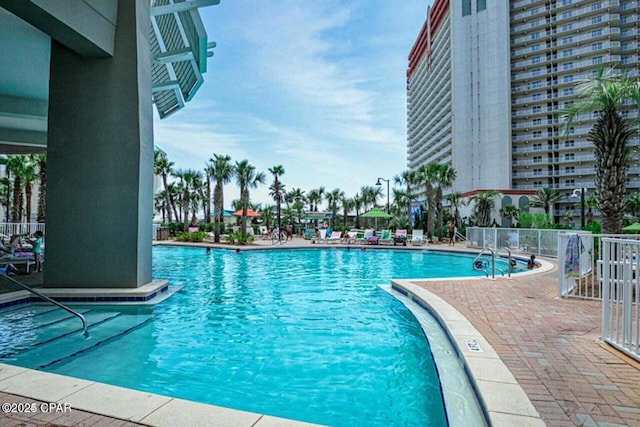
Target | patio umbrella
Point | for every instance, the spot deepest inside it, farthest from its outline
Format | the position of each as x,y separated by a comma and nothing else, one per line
250,212
376,213
633,228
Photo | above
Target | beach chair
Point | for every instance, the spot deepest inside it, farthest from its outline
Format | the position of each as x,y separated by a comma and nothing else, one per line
400,237
335,237
364,239
385,237
417,238
322,235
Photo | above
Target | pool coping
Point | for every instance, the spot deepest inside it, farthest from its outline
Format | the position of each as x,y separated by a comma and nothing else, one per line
503,400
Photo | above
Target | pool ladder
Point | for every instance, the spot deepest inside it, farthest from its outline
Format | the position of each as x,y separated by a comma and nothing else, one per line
85,333
486,251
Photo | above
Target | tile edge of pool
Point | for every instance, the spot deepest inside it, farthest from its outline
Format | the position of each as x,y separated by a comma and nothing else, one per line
502,399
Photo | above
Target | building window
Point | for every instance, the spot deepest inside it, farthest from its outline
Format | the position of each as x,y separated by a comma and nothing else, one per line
596,6
537,109
567,52
536,84
535,35
567,27
567,79
596,19
537,172
536,72
566,2
624,60
567,40
569,169
535,47
596,33
537,159
481,5
569,143
536,97
566,14
569,156
535,60
537,147
624,46
597,60
535,123
537,184
466,7
623,20
596,46
624,33
567,91
570,183
537,134
567,66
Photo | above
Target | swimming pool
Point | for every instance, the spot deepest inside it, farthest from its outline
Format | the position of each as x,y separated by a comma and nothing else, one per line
301,334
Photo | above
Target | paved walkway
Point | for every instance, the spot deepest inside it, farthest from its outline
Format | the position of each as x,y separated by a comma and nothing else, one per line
551,345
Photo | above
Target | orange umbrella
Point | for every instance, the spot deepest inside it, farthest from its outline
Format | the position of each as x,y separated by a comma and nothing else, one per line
250,212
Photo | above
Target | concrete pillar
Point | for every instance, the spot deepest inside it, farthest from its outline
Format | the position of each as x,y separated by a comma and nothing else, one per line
100,161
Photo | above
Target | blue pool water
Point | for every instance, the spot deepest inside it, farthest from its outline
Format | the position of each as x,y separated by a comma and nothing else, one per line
301,334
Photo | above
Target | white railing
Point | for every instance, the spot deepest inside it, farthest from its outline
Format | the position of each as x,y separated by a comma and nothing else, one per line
581,264
621,295
517,240
8,229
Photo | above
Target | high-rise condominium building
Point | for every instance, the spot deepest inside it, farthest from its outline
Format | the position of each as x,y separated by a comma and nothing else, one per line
487,83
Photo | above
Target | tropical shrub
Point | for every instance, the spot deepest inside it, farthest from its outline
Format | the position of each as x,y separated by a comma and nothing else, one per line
194,236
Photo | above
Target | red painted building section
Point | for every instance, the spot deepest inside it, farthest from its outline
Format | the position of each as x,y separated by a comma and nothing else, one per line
435,15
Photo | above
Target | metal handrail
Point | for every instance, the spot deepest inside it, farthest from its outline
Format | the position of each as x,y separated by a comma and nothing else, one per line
508,260
85,333
493,263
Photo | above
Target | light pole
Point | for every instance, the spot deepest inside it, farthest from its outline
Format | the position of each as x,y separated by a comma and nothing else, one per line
582,191
379,183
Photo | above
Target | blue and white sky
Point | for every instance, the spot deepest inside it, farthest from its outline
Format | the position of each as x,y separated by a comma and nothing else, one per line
318,87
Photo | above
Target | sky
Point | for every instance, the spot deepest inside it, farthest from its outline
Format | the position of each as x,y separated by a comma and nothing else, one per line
318,87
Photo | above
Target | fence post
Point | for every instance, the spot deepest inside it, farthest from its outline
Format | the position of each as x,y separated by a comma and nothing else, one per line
605,287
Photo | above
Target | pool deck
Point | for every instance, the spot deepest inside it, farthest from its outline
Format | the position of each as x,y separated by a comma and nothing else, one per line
551,347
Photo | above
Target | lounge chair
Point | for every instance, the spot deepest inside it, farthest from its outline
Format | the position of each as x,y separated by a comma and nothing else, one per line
417,237
322,236
400,237
335,237
364,239
385,237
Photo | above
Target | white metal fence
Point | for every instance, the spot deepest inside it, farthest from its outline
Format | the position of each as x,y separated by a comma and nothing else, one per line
8,229
621,294
518,240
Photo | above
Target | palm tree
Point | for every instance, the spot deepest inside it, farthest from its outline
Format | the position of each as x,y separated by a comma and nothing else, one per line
633,203
17,166
445,177
298,197
410,179
163,167
591,202
191,180
246,178
511,213
41,159
267,215
545,198
173,191
347,205
357,205
606,94
455,201
221,172
315,198
428,175
277,189
333,200
484,204
30,175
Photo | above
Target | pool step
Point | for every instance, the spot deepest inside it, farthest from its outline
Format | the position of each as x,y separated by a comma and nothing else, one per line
36,337
26,334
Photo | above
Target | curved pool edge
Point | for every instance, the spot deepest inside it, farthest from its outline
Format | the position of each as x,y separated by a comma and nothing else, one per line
122,403
503,400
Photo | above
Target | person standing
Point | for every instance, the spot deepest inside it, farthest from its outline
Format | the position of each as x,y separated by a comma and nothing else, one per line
37,249
451,228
